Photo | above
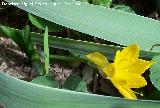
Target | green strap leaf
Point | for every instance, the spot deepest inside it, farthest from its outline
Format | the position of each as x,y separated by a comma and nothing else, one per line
109,24
75,46
19,94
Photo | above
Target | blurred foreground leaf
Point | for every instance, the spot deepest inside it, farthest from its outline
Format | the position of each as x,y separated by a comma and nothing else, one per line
15,93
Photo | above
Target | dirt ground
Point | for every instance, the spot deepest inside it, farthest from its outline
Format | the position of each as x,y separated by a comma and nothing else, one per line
14,62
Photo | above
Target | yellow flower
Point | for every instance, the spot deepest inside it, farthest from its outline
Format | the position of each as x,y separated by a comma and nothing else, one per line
125,73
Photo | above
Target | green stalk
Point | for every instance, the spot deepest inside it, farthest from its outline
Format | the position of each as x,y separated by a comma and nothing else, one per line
46,51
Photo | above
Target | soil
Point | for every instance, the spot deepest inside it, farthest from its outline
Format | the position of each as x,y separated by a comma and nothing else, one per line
12,60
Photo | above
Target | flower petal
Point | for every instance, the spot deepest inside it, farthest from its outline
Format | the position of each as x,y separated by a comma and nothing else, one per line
98,58
130,52
139,66
124,64
109,70
124,90
136,81
130,79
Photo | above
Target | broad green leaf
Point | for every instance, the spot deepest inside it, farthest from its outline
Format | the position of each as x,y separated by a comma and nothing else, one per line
46,51
76,46
109,24
42,23
123,8
19,94
46,81
155,72
105,3
88,72
75,83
